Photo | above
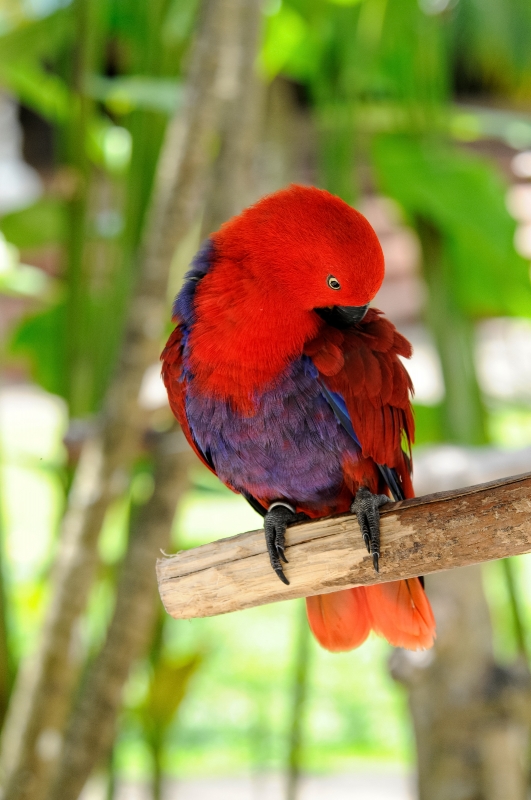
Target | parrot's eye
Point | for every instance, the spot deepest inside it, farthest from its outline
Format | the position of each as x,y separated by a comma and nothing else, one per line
333,282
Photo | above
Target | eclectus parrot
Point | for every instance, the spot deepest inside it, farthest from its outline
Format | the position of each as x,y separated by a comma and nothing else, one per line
290,389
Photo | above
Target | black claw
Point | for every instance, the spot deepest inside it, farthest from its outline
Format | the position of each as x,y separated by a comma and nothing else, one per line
275,523
282,576
366,506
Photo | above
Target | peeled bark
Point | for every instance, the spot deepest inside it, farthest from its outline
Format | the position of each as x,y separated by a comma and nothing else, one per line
471,715
32,738
92,726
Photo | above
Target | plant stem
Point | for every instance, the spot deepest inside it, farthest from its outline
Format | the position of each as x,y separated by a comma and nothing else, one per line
516,610
147,129
157,776
463,411
6,666
300,689
77,340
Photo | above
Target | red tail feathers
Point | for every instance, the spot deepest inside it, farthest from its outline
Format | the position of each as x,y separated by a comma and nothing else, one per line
399,611
341,620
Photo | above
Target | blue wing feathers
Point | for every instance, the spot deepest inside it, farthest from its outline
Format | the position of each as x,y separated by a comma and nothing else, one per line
339,407
183,305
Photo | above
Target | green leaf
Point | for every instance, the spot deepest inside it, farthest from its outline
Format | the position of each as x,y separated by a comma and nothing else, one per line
124,94
429,424
25,281
36,38
41,224
179,20
38,339
45,93
19,279
167,689
21,53
463,197
285,32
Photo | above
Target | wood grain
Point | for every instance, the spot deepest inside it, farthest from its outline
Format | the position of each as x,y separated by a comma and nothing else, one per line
427,534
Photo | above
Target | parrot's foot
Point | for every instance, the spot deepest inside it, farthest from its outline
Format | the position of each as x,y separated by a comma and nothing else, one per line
277,519
366,507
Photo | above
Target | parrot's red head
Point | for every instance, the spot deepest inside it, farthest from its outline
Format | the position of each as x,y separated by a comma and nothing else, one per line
292,260
307,246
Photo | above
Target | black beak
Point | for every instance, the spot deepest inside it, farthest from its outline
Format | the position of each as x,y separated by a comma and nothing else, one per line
342,316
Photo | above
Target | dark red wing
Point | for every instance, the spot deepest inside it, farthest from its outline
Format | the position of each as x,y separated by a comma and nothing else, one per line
361,365
175,383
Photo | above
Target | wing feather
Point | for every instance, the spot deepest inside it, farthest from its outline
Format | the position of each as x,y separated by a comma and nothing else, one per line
175,383
369,389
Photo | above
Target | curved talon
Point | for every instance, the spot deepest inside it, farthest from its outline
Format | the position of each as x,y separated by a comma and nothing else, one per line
282,576
367,506
277,519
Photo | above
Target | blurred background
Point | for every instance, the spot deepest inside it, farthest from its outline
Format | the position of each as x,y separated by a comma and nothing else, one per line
128,131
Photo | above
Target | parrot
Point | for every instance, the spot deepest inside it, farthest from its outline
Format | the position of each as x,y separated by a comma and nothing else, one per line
290,388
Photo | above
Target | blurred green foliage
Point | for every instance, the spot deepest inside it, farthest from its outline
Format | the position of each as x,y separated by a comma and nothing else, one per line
53,64
40,224
463,197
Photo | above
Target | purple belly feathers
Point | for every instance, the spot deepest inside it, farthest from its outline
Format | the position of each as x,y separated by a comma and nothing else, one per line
292,448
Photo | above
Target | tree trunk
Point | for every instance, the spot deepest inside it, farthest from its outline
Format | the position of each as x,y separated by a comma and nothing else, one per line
32,736
232,187
32,739
471,716
91,728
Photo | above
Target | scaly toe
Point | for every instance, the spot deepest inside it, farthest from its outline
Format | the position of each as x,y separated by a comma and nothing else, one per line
367,506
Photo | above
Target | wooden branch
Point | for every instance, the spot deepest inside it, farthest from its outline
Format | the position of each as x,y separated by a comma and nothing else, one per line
427,534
